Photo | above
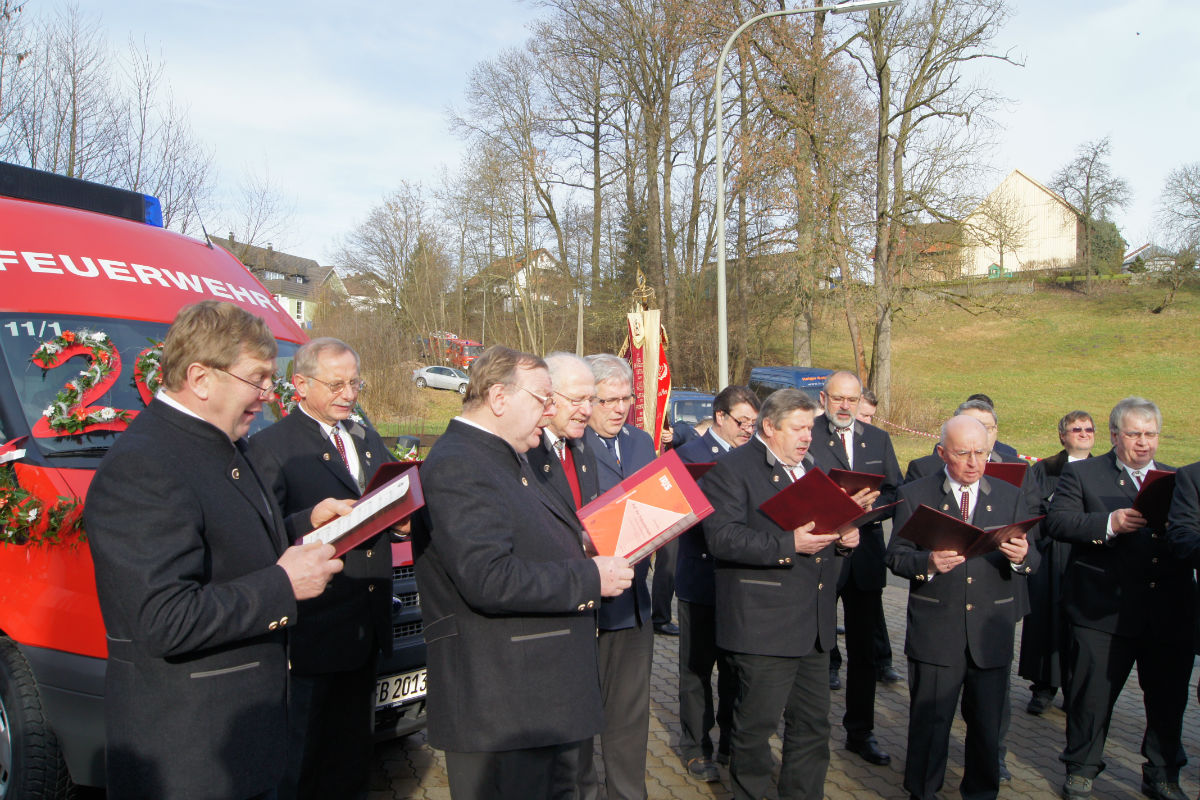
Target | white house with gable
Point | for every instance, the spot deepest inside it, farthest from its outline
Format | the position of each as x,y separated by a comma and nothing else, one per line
1021,225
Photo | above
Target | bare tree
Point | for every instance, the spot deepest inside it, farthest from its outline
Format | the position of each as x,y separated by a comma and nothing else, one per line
1179,204
999,223
1088,183
260,213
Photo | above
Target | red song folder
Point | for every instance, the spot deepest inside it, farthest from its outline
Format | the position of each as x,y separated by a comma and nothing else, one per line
933,530
815,497
1009,471
855,482
393,494
645,511
1154,498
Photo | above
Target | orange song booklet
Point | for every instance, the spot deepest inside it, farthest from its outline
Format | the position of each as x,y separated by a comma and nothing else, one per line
393,494
934,530
645,511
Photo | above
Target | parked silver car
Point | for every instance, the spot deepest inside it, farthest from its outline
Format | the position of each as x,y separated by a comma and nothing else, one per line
441,378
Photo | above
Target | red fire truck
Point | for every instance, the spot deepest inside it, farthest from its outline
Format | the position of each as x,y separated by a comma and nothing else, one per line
89,283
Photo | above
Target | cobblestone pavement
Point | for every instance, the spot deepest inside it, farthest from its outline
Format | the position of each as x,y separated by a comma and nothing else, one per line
409,768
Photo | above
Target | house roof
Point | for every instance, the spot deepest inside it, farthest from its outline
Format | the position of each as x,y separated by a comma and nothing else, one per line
303,277
1057,197
504,268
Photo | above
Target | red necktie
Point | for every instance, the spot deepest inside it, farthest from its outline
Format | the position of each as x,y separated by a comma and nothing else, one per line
846,447
341,448
568,462
965,507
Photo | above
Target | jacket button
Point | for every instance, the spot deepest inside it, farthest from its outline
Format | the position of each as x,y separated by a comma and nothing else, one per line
524,481
370,587
325,456
283,620
370,553
236,473
591,603
1153,584
274,625
787,561
368,454
582,607
970,580
818,559
970,607
820,586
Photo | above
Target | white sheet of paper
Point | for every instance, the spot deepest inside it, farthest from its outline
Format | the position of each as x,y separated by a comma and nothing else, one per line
333,530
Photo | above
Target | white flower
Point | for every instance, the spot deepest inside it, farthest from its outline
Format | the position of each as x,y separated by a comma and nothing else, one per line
99,336
107,414
49,412
33,514
357,418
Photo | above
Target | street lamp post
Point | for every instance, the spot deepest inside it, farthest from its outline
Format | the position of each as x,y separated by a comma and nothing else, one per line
722,301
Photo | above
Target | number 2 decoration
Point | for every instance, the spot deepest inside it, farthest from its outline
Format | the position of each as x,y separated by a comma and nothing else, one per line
70,413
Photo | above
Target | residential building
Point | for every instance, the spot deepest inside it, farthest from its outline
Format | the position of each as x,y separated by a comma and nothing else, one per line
296,282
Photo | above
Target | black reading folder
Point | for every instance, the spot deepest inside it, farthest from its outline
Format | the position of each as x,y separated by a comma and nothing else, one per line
394,494
815,497
934,530
1153,500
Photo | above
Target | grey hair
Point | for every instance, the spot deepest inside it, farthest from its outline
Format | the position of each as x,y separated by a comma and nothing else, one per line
978,405
306,360
1138,406
782,402
607,367
560,364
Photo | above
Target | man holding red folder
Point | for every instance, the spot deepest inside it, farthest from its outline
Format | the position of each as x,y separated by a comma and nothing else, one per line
318,451
961,616
776,591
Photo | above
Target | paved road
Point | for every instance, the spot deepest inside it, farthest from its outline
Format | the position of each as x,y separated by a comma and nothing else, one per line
409,768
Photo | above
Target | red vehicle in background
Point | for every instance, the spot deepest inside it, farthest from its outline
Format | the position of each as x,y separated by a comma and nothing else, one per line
443,347
89,283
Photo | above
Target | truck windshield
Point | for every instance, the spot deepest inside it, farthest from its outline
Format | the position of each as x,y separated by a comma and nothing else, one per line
34,389
473,350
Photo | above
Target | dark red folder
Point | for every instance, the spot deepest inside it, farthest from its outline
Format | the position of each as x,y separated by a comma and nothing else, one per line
817,498
855,482
372,513
934,530
697,469
1154,498
1010,471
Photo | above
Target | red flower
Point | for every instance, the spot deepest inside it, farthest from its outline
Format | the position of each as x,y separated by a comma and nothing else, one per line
69,336
80,414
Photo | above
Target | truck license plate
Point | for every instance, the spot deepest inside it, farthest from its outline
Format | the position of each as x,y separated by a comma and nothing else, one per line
396,690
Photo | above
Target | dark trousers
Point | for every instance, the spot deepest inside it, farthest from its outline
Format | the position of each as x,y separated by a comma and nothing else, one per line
864,617
933,694
535,773
882,646
662,587
1100,665
698,653
797,688
624,656
330,734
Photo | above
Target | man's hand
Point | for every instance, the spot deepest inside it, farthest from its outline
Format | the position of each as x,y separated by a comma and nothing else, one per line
328,509
1015,549
615,575
865,498
808,542
944,560
309,567
1126,520
848,536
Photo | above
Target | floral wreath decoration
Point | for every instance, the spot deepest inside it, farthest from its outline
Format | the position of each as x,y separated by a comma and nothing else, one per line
67,415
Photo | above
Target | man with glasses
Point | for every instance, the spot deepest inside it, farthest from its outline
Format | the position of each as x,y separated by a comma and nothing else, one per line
626,640
735,413
1129,600
1045,646
197,583
508,595
563,461
316,451
961,616
840,441
986,414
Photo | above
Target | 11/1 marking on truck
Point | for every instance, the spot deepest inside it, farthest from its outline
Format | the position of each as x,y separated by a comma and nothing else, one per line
396,690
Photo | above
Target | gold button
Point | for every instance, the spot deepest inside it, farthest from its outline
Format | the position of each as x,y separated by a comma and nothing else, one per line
818,559
787,561
236,473
820,586
591,604
283,620
970,580
325,456
273,625
370,553
524,481
970,607
581,607
583,467
368,454
370,587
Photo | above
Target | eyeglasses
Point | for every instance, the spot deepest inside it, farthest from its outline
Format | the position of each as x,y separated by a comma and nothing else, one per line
968,453
575,402
610,402
263,391
745,424
340,386
544,400
837,401
1134,436
1081,430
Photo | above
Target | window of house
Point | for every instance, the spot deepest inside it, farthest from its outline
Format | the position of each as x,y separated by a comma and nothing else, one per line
300,311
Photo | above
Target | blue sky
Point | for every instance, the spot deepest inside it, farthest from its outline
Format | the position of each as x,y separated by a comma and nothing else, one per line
341,101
